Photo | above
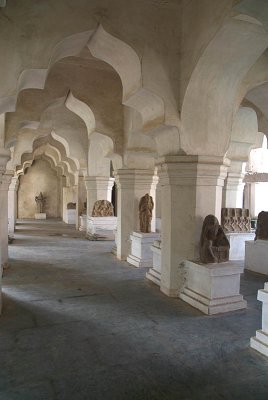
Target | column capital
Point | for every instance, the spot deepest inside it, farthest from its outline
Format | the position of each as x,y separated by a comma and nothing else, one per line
102,182
128,178
192,170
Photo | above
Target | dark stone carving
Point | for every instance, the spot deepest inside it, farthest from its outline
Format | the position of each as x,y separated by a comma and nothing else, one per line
40,202
71,206
235,220
262,226
214,245
146,206
103,208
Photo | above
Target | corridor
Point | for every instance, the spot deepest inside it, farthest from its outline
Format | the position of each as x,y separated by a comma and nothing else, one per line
79,324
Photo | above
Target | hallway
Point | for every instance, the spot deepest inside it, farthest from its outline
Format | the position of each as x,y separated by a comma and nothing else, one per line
78,324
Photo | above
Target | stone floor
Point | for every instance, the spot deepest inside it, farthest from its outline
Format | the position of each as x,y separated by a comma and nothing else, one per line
78,324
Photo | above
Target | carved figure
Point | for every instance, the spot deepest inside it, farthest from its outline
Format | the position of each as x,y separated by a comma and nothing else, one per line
146,207
71,206
236,220
103,208
214,245
262,226
40,202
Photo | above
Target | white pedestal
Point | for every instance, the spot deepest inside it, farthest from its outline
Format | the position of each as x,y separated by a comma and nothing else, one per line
98,224
256,256
83,223
70,217
260,341
40,216
154,274
237,244
141,253
213,288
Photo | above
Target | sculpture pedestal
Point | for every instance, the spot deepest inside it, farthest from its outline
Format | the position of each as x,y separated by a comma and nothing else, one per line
141,253
213,288
154,274
237,244
70,217
260,341
83,223
98,224
40,216
256,255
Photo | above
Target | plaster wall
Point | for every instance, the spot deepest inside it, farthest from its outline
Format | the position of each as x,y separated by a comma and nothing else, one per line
39,178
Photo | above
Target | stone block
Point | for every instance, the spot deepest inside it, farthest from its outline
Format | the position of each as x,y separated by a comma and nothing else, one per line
154,273
213,288
260,341
141,253
40,216
256,256
237,244
98,224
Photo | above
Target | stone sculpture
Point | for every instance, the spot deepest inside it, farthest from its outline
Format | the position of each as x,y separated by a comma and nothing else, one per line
103,208
71,206
40,202
262,226
235,220
214,245
146,206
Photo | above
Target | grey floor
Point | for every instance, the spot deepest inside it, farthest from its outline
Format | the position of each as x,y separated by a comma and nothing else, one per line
78,324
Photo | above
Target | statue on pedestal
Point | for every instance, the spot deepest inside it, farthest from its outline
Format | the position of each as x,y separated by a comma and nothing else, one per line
214,245
103,208
146,206
40,201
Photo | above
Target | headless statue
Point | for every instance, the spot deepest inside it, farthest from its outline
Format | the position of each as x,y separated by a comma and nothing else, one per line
146,206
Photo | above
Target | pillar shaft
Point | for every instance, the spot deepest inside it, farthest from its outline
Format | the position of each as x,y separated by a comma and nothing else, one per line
131,184
98,188
12,204
191,188
4,185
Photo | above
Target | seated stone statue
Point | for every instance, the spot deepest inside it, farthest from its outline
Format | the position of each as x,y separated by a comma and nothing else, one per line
146,206
262,226
214,245
71,206
103,208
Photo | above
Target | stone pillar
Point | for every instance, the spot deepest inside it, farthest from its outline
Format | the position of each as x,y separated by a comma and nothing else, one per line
191,188
233,190
4,185
98,188
260,341
132,184
12,204
4,157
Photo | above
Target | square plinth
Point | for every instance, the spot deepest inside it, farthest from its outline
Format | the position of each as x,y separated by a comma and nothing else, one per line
213,288
98,224
260,341
237,242
154,274
141,253
40,216
256,256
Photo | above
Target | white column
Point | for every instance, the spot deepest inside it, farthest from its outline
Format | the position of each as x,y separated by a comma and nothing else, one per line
12,204
4,185
233,190
132,184
191,188
98,188
4,157
260,341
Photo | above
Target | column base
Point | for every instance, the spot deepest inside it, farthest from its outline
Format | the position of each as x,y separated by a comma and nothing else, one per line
83,223
260,342
213,288
141,253
40,216
169,292
154,274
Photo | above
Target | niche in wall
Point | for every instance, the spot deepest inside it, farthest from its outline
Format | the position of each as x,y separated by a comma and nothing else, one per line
40,177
